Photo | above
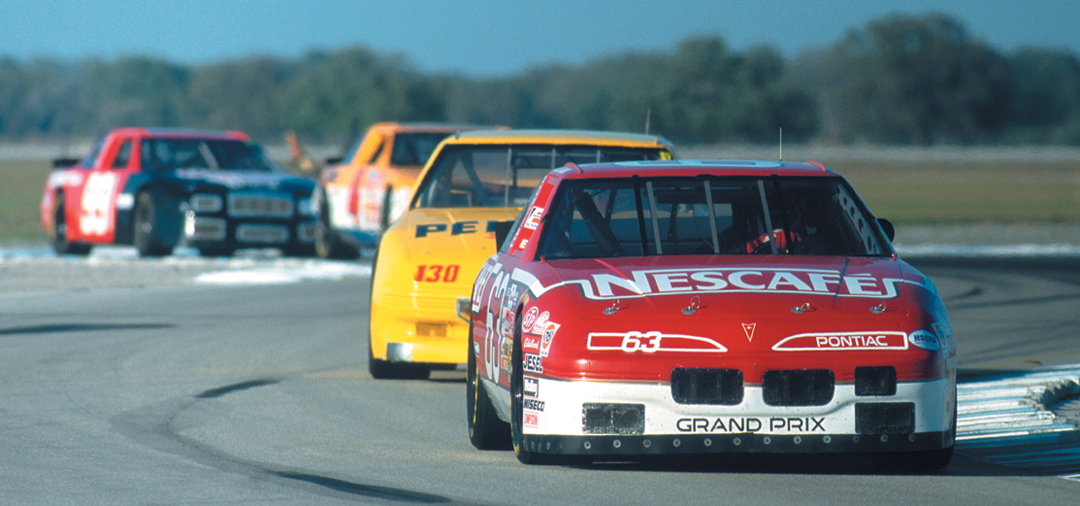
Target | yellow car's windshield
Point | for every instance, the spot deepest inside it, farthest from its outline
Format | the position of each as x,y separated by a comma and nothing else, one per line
505,175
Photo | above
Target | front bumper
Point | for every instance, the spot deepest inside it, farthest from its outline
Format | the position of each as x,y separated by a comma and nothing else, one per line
206,230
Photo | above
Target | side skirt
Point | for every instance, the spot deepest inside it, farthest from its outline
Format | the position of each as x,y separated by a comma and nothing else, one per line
500,398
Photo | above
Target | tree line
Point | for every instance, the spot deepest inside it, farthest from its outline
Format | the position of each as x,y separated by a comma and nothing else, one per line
903,80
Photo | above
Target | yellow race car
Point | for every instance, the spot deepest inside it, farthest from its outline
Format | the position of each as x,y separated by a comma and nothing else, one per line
472,187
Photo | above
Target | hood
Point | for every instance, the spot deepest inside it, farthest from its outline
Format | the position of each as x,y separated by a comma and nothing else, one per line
245,180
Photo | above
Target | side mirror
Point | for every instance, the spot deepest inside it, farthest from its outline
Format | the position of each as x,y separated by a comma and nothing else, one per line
502,229
887,227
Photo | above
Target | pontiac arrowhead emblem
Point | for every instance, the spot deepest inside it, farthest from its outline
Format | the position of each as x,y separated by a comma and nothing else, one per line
749,329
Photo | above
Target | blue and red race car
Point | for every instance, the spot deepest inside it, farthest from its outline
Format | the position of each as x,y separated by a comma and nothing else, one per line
157,188
670,307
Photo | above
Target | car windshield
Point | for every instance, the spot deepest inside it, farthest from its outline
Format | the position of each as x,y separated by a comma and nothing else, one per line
505,176
600,218
160,154
414,149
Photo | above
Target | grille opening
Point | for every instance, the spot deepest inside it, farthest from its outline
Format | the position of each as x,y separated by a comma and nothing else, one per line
885,417
800,387
707,386
875,380
262,233
249,205
610,418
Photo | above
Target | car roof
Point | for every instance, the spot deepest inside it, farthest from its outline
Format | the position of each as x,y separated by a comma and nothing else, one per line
433,127
568,137
173,133
692,168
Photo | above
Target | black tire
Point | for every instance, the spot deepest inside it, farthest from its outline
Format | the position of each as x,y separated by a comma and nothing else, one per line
486,430
327,242
517,398
60,243
145,235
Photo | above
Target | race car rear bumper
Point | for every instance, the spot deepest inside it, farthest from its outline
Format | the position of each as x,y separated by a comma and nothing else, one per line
618,418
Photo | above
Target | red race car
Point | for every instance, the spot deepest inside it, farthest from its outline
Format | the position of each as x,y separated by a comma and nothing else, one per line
668,307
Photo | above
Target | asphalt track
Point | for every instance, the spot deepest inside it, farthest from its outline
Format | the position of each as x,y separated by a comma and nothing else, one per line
225,391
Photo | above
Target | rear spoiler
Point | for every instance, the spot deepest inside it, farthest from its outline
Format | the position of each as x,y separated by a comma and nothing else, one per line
62,163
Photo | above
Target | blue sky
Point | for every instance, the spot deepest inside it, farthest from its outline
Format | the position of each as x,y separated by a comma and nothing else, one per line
487,37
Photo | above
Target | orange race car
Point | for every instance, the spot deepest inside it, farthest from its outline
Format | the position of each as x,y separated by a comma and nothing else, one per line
359,196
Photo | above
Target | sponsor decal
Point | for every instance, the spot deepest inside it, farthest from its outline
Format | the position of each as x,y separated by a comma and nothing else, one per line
529,319
881,340
531,387
530,420
540,324
506,351
532,404
751,424
924,340
531,343
533,220
232,180
512,294
506,322
748,329
456,228
532,363
651,342
424,230
549,335
646,283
